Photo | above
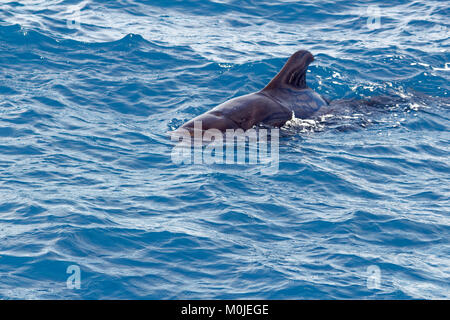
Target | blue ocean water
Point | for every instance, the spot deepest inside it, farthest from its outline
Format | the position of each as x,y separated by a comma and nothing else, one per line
89,90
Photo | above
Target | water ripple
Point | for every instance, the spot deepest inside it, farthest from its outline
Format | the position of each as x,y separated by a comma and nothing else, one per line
90,88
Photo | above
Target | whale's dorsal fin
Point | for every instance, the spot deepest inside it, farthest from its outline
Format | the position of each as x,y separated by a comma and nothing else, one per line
293,74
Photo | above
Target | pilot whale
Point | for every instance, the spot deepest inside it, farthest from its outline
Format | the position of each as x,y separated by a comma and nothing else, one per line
286,95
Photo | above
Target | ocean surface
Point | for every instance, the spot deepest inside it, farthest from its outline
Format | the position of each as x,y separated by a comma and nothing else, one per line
92,206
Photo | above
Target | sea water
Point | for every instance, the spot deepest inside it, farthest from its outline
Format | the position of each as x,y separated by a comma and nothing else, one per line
93,206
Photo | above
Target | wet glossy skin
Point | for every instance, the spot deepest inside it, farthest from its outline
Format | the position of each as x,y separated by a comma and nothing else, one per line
273,108
285,95
243,112
305,103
